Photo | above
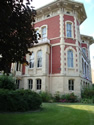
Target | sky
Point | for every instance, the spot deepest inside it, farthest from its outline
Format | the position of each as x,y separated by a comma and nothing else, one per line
86,28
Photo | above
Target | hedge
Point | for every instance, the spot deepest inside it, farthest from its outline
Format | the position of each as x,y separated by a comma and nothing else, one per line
19,100
7,82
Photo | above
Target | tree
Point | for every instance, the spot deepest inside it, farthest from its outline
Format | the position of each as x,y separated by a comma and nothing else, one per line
17,32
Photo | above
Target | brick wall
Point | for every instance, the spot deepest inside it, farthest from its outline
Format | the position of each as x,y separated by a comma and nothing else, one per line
53,26
56,59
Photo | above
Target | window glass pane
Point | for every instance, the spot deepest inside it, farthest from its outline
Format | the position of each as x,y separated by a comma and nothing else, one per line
31,65
70,58
38,84
30,83
71,84
39,59
69,30
44,34
17,83
37,32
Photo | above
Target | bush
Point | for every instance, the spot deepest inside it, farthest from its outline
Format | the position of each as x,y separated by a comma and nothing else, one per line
7,82
87,101
88,93
57,97
46,97
19,100
68,98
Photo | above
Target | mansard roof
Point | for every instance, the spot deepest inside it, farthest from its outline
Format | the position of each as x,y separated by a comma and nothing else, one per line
77,7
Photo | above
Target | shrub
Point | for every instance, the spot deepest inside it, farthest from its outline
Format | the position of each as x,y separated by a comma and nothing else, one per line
46,97
19,100
88,93
68,98
7,82
57,96
87,101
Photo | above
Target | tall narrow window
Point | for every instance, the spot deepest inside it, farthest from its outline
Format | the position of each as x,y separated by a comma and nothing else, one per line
85,69
30,83
39,59
37,32
71,84
44,33
84,51
70,58
31,65
83,66
18,66
69,30
17,83
38,84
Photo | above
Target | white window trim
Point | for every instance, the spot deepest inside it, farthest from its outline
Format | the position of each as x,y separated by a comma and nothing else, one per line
30,85
68,21
74,52
38,28
71,58
36,84
29,61
42,59
46,29
73,85
85,50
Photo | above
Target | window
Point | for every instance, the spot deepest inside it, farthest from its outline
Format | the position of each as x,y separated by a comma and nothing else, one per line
70,58
39,59
17,83
84,50
69,29
85,69
44,33
71,84
37,32
18,66
30,83
31,65
83,66
38,84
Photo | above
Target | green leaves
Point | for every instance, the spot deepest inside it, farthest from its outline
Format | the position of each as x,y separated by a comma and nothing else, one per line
16,32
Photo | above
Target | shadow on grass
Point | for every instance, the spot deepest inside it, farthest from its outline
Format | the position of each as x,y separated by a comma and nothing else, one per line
53,114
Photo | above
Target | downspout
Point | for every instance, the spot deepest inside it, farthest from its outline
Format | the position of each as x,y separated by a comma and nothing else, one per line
50,86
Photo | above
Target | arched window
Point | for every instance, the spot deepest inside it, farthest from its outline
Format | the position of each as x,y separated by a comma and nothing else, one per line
31,65
44,33
69,29
37,33
30,83
84,50
71,84
39,59
38,84
70,58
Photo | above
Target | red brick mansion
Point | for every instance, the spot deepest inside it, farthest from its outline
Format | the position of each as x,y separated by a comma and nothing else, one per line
61,60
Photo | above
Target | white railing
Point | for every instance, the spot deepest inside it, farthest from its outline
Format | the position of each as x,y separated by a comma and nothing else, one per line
43,40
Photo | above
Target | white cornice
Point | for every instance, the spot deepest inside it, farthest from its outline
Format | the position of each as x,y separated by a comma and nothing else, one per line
88,38
68,4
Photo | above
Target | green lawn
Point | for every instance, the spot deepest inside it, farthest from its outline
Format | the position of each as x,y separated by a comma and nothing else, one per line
52,114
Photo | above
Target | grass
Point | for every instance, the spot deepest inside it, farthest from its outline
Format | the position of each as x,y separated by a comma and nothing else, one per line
52,114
